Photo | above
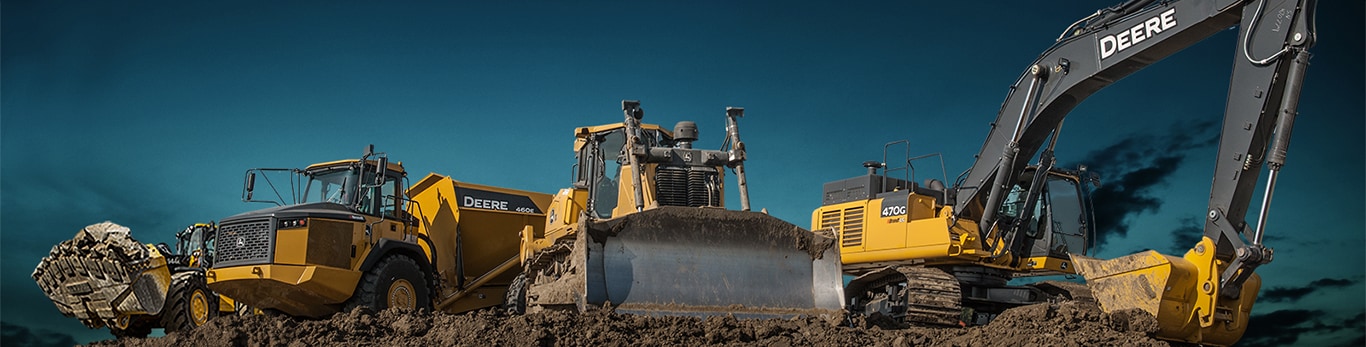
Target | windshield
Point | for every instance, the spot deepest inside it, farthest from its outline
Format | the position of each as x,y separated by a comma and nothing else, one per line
1069,221
330,186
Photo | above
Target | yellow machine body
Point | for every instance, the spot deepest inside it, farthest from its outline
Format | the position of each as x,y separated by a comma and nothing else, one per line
682,253
478,240
925,234
464,237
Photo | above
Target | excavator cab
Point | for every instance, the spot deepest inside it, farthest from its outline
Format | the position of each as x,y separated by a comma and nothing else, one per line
1056,223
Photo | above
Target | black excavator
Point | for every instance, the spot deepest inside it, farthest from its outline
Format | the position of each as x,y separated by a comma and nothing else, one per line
941,254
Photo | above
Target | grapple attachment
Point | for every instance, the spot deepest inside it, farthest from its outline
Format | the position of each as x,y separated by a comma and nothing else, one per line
103,275
1183,293
699,262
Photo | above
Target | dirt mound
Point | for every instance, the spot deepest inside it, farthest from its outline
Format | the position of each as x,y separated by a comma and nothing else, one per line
1068,323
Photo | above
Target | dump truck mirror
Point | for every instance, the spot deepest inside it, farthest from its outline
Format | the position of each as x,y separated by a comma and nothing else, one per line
251,184
380,166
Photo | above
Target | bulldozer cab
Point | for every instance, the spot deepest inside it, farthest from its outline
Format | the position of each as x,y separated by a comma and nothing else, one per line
1056,222
601,153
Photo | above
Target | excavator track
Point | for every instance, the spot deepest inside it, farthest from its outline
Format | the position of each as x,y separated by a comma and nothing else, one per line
932,296
908,295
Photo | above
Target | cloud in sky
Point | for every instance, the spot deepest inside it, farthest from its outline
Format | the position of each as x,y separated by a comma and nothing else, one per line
1134,168
19,336
1287,327
1292,294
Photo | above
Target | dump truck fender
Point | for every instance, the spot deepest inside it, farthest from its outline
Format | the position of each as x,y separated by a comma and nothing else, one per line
385,247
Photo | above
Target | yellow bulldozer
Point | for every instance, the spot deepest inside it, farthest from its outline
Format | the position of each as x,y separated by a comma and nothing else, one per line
104,277
642,228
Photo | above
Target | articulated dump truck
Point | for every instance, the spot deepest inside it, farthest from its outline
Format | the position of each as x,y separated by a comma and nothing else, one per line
347,235
104,277
642,230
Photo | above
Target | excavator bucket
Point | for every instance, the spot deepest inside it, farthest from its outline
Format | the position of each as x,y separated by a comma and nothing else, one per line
1182,292
102,275
701,262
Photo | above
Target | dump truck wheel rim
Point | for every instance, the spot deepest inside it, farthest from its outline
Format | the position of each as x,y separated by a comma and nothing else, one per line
401,294
199,307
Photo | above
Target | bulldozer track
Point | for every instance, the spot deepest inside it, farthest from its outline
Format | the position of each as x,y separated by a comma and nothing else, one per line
932,296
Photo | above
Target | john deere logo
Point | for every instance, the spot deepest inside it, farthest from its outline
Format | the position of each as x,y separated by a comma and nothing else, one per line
241,241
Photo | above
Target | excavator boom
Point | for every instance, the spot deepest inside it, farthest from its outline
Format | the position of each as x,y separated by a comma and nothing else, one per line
1206,296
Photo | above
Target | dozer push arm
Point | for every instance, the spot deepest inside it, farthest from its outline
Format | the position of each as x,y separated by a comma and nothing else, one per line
1098,50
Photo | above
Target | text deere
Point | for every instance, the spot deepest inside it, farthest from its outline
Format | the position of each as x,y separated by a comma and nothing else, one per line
1114,43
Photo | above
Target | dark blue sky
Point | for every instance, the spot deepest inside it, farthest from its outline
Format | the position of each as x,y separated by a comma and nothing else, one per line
148,113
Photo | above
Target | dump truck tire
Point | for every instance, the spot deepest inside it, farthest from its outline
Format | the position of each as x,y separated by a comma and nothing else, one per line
515,302
396,281
190,303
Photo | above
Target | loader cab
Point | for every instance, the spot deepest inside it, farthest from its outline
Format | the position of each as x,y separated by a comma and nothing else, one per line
601,154
1059,222
197,242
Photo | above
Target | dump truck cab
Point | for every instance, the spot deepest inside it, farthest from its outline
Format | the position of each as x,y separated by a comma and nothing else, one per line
307,255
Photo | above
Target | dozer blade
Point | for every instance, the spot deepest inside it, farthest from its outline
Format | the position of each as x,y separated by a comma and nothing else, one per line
102,274
1183,293
701,262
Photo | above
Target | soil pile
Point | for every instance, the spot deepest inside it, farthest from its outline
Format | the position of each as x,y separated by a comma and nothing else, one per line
1069,323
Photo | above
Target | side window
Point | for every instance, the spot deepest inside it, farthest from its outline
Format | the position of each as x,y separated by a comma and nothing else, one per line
1067,217
379,199
389,202
606,182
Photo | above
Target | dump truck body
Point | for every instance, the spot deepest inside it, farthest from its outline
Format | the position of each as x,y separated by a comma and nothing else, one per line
355,239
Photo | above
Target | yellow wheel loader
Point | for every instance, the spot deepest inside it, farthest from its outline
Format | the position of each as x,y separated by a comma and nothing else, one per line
643,229
914,246
106,278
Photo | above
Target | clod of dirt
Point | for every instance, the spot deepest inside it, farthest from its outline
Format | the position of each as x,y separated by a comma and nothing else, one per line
1069,323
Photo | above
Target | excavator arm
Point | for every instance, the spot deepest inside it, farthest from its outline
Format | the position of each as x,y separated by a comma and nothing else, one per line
1272,54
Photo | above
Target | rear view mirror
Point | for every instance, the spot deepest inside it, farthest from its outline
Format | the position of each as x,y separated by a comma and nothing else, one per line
383,163
251,184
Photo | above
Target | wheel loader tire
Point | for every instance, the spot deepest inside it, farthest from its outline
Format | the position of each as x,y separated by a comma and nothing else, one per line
396,282
190,303
515,302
